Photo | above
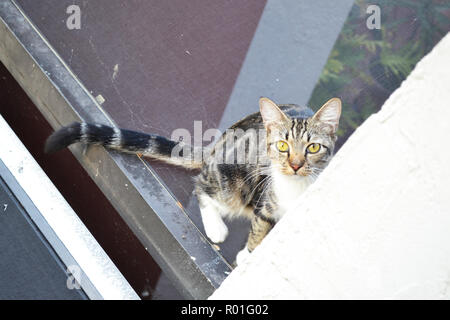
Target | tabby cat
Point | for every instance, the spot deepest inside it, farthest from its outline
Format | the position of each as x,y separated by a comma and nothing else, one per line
297,146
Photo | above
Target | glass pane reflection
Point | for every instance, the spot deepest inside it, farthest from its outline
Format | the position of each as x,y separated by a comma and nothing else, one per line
366,65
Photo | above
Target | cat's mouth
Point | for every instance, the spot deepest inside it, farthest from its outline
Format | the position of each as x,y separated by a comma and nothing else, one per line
300,172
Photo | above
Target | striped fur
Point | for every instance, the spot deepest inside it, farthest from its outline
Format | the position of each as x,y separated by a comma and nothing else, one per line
128,141
264,191
261,191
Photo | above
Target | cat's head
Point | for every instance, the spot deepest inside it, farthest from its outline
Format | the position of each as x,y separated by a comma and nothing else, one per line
299,146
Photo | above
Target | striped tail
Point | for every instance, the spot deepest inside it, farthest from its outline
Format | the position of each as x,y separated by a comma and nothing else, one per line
148,145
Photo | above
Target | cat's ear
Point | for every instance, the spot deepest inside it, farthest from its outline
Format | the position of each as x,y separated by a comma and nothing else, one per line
328,116
271,113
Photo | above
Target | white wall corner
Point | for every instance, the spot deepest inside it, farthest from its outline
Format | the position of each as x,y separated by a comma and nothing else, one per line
376,224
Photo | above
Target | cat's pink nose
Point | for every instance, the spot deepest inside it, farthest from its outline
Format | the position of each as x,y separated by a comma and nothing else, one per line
295,166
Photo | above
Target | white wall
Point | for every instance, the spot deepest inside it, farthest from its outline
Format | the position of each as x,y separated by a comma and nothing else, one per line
376,224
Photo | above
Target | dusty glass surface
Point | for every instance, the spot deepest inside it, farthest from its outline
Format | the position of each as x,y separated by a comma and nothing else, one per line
160,66
378,47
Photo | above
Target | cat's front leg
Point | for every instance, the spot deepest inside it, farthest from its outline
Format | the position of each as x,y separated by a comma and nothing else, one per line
215,227
261,225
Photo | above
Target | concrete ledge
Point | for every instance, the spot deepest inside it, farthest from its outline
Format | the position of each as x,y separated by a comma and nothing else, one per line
376,224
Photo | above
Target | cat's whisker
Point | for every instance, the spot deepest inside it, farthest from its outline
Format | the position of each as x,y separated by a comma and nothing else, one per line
256,172
260,171
266,187
262,181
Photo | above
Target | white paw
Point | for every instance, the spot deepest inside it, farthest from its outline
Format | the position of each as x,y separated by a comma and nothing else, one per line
216,230
242,256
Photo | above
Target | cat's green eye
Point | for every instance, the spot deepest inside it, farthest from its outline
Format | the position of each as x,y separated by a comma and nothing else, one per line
282,146
313,148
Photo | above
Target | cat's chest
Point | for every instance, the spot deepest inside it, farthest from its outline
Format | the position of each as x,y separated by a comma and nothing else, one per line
287,189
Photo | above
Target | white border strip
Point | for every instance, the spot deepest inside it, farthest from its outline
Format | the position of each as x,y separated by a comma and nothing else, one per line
71,240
